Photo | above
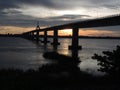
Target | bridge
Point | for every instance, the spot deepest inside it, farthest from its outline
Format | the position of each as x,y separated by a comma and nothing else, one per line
99,22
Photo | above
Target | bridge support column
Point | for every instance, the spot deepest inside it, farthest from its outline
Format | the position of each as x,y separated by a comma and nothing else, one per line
75,40
45,41
32,35
55,38
28,35
37,36
74,54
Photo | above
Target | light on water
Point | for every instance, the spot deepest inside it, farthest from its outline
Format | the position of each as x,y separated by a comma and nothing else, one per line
25,54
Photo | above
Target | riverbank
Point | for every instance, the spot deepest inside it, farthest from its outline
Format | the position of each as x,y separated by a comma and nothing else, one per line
50,36
50,78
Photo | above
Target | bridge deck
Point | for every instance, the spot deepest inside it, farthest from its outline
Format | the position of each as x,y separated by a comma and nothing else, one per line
108,21
100,22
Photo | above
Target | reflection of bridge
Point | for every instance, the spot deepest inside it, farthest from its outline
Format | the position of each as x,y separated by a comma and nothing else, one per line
100,22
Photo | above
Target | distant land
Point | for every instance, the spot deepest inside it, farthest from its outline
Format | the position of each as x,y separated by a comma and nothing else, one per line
88,37
50,36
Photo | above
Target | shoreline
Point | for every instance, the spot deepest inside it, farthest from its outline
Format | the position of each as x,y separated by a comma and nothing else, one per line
49,36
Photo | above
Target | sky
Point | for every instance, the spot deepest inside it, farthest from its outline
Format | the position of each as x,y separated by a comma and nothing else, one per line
18,16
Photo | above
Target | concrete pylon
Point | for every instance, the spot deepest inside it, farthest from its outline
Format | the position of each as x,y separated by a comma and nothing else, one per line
75,40
55,38
45,41
37,36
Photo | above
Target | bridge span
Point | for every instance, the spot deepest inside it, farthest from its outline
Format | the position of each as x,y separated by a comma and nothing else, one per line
99,22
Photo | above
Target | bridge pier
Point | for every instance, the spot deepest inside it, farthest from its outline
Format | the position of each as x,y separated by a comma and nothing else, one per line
32,36
75,40
45,41
55,38
37,36
74,54
27,35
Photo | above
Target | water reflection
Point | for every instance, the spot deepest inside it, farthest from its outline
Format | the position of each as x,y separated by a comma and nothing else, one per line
74,54
55,47
18,52
63,47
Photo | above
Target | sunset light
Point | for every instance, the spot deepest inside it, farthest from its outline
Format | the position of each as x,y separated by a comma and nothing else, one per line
50,13
60,44
64,32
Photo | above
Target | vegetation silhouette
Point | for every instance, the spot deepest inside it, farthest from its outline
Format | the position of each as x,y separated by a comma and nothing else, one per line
109,62
62,75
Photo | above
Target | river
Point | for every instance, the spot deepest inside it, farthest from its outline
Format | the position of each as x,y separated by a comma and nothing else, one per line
16,52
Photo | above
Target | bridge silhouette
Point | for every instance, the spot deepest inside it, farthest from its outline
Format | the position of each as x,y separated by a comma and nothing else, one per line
99,22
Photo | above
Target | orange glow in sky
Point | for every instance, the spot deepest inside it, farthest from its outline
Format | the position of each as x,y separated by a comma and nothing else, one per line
68,32
97,33
14,29
65,32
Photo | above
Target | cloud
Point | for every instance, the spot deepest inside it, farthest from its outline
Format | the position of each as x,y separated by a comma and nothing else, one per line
58,4
24,20
16,3
7,4
26,13
68,17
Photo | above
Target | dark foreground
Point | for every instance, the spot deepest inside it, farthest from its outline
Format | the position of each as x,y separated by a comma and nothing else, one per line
59,76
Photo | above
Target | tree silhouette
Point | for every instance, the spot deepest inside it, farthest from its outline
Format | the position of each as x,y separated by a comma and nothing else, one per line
109,62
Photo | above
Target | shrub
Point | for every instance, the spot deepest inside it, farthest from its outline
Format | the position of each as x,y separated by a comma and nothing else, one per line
109,62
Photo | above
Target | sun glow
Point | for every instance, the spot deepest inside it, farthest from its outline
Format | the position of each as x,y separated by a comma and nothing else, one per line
65,32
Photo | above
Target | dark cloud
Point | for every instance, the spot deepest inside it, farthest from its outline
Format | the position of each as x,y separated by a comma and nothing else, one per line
24,20
62,4
59,4
16,3
15,17
58,20
114,7
8,4
71,4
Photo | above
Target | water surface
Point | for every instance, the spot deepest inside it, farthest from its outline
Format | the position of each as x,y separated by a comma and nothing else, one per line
25,54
